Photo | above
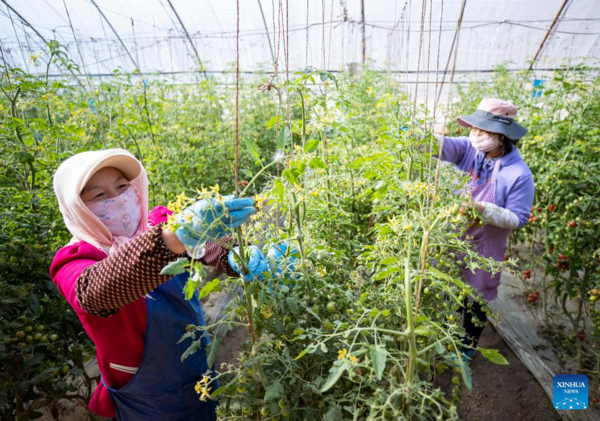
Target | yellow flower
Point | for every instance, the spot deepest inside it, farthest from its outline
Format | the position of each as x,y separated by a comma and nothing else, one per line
266,312
342,354
215,189
353,359
202,388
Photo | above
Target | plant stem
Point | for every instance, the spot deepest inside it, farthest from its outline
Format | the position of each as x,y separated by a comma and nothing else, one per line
262,170
412,341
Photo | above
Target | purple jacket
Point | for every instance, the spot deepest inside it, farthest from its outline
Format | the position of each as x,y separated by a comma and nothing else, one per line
514,189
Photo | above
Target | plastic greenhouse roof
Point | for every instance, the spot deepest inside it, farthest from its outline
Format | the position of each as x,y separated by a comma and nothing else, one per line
149,34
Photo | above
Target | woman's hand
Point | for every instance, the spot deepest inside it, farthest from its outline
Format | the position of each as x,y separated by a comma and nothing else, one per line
210,219
280,252
256,265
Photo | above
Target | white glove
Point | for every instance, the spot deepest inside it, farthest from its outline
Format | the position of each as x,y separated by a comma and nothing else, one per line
499,217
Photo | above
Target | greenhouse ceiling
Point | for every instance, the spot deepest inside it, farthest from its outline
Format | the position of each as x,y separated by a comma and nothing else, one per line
409,37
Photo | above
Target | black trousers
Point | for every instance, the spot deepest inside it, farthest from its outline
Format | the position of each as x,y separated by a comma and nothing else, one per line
473,332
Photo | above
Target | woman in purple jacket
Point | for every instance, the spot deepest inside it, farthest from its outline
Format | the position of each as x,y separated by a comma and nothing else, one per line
502,187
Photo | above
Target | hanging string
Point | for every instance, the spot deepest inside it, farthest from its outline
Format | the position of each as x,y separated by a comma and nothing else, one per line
287,61
237,98
323,36
307,32
421,32
430,201
25,62
330,30
77,46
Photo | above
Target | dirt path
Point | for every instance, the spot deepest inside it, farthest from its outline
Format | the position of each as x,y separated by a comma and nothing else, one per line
501,392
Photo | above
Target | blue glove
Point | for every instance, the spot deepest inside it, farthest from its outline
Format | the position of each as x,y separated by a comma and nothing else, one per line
283,257
206,219
257,264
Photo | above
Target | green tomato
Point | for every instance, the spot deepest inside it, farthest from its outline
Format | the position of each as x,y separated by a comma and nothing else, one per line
44,338
427,291
38,337
241,388
28,329
332,307
53,337
456,380
39,328
29,338
264,411
282,404
327,325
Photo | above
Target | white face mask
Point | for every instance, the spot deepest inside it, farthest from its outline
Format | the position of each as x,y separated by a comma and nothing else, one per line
484,143
120,214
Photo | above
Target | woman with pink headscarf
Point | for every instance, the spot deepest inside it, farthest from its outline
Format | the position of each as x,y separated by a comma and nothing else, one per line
110,273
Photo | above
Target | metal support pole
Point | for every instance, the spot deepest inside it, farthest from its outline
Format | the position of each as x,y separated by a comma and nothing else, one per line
189,39
116,34
548,33
267,29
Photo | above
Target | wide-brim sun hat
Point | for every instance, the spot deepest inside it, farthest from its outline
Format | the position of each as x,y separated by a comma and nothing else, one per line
115,158
495,116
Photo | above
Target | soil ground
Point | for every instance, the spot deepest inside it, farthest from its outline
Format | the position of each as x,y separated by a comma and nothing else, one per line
501,392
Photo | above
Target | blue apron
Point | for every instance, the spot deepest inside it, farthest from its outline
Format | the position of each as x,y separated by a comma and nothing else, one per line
163,387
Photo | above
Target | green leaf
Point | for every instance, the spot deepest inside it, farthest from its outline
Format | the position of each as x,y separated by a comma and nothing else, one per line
335,373
273,391
312,144
211,353
195,346
494,356
378,357
279,188
439,348
389,260
466,375
285,137
252,148
310,349
176,267
212,286
317,162
190,288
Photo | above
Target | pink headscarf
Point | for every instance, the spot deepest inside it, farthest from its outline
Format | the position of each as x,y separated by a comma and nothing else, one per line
70,180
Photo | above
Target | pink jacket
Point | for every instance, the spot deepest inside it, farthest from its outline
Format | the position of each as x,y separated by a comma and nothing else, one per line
119,339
